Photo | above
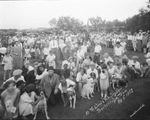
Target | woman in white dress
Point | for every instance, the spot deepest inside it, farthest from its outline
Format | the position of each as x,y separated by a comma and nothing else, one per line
27,101
104,81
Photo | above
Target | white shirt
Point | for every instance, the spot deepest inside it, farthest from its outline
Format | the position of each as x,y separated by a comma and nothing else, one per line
53,44
50,58
89,71
97,49
80,54
81,77
108,59
69,82
46,51
39,77
118,51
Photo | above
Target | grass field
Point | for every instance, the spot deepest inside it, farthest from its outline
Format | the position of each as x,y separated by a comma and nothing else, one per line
139,97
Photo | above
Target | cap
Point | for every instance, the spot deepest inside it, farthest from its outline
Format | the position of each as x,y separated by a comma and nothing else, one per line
17,72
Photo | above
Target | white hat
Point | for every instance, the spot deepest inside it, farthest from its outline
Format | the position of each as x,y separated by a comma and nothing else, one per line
17,72
65,62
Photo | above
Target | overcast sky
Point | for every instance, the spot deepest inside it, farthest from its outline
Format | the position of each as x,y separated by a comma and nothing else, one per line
35,14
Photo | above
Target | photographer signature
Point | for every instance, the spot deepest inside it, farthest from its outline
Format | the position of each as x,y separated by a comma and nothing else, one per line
137,110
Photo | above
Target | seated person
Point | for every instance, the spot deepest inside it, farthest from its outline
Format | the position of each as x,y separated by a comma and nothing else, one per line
63,86
92,69
28,101
135,65
65,70
107,58
145,69
81,79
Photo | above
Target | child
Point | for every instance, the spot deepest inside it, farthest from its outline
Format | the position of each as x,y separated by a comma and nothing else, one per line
8,65
104,81
71,64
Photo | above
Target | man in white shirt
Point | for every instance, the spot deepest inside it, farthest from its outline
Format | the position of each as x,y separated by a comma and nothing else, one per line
97,51
63,86
17,76
118,52
53,44
92,70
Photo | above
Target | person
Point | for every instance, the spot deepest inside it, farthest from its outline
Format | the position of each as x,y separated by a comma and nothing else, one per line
28,101
145,70
17,76
87,62
118,52
49,84
8,65
104,81
17,55
63,86
135,65
65,69
97,51
50,59
9,99
148,57
107,58
43,71
92,69
134,41
81,79
71,64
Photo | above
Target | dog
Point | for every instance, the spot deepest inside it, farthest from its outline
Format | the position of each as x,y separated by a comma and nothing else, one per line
42,105
88,89
72,97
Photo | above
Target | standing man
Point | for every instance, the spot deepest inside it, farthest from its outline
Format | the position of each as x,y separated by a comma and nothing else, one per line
49,84
97,51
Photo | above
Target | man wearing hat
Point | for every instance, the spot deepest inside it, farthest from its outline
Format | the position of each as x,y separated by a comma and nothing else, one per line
65,69
17,76
49,83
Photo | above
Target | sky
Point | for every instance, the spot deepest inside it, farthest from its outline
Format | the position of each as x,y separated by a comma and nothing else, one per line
35,14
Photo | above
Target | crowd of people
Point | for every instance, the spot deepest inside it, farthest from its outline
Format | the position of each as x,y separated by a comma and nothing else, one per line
54,63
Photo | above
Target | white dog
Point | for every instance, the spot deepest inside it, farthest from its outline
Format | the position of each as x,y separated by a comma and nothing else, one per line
42,105
72,97
88,89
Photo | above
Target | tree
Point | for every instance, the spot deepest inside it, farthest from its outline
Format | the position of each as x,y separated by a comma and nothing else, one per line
53,23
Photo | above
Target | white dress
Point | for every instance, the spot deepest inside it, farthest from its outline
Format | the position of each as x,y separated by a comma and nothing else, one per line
104,81
25,108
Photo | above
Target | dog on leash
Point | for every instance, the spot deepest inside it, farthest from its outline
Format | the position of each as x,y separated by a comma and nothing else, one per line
88,89
42,105
72,97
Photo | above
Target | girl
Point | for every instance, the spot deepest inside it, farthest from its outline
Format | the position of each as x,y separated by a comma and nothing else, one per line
104,81
8,65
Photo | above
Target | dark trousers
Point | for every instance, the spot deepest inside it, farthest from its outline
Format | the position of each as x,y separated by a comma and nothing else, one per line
96,58
54,98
